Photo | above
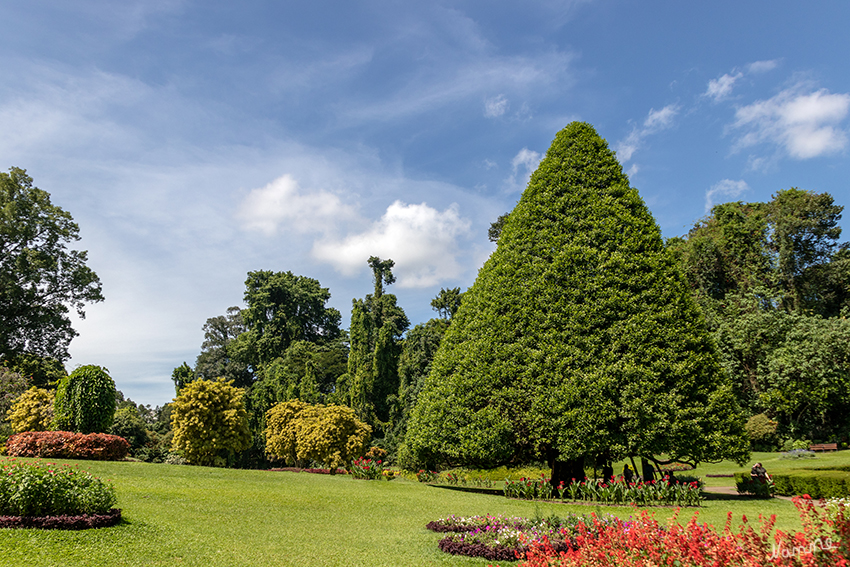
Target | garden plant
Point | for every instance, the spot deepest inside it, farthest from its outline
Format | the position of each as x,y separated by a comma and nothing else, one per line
668,491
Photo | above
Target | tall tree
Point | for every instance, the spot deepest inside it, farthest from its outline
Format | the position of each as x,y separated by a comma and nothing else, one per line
447,302
377,326
220,356
579,340
40,278
283,308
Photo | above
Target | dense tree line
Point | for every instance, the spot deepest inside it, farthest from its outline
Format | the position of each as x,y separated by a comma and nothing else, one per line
774,283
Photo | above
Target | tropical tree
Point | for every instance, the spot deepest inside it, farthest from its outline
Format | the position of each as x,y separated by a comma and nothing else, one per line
580,339
220,356
40,278
377,326
85,401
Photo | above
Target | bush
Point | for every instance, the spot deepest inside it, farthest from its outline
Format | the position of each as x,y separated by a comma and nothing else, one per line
85,401
828,484
130,425
67,445
795,444
332,435
32,411
762,433
663,492
209,422
44,489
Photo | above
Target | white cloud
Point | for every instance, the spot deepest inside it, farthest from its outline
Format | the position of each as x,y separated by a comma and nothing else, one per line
656,121
420,239
495,106
805,125
283,202
762,66
522,166
718,89
727,188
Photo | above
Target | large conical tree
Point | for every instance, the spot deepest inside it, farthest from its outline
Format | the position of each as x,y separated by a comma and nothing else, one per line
579,340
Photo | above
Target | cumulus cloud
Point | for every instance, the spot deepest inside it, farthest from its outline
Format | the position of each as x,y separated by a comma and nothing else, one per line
283,202
804,125
726,188
420,239
522,166
495,106
720,88
656,121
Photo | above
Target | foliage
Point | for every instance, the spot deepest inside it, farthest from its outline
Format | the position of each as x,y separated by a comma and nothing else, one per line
209,422
32,411
367,469
579,339
377,325
653,493
130,425
799,454
283,308
40,278
181,376
85,401
332,435
12,385
762,432
41,371
45,489
643,542
447,302
67,445
220,356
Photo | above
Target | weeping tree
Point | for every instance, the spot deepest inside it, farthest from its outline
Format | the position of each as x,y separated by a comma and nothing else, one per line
579,341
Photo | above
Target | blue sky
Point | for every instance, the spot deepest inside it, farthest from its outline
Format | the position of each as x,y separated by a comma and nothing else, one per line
196,141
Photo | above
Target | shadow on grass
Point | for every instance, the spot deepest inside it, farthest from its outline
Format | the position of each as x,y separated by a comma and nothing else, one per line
721,497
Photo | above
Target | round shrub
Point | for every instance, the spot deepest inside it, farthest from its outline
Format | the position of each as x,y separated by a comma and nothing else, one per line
762,432
85,401
32,411
44,489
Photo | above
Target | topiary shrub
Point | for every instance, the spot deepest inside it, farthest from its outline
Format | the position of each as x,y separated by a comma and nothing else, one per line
67,445
42,489
85,401
209,422
32,411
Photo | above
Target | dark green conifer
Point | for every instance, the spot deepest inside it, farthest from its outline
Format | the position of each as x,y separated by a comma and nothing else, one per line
579,340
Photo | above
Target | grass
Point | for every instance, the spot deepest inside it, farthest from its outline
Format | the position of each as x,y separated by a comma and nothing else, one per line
180,515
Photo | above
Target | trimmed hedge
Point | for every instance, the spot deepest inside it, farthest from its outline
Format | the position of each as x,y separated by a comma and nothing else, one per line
823,484
66,445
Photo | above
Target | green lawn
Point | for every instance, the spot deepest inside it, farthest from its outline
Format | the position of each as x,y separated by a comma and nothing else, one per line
180,515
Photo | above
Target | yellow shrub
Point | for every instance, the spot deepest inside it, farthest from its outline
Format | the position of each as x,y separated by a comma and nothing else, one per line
32,411
209,421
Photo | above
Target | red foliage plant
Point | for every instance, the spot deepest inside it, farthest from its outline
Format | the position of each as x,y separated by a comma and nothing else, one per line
643,542
67,445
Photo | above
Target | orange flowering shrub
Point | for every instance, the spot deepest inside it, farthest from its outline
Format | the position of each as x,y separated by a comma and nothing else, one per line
67,445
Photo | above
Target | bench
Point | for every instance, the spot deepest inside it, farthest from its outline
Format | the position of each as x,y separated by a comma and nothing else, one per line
824,447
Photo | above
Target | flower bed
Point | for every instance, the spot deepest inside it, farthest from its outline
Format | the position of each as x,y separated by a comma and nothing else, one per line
667,492
825,541
370,469
47,495
67,445
498,538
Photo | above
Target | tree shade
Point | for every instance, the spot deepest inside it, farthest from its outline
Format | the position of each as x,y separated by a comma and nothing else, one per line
579,340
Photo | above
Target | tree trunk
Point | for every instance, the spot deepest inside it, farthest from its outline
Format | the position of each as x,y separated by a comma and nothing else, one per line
566,471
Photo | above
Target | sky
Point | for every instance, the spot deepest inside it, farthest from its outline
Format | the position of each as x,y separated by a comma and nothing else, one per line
194,142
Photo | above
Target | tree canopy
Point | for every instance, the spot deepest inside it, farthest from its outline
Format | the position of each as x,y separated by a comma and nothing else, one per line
580,338
40,278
